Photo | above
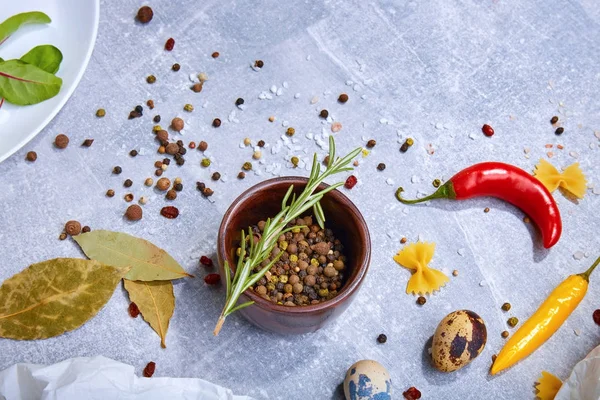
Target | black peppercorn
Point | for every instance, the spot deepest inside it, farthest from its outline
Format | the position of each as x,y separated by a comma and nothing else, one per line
176,67
404,147
166,161
133,153
178,187
216,122
554,120
156,119
259,63
117,170
182,150
382,338
261,143
180,161
239,102
139,109
127,183
324,114
559,130
200,186
381,166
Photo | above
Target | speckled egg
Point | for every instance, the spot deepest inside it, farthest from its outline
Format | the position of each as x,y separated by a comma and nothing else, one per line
458,339
368,380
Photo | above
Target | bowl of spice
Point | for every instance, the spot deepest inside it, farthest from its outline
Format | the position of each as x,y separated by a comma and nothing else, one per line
318,271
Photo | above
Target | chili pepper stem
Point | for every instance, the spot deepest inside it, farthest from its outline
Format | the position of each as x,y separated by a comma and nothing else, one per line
219,325
586,275
446,191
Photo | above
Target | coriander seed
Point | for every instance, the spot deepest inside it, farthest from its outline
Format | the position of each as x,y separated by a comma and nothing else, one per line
151,79
163,184
506,307
290,131
101,112
110,193
149,182
257,155
162,149
143,200
247,141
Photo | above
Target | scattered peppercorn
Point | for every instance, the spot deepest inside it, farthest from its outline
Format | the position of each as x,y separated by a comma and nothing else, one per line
487,130
87,142
205,162
61,141
212,279
512,322
455,272
343,98
176,67
259,63
554,120
505,334
559,130
216,122
117,170
410,141
506,307
169,212
200,186
128,197
436,183
150,104
149,370
178,186
166,161
188,107
177,124
350,182
239,102
145,14
171,195
128,183
290,131
150,79
202,146
158,172
421,300
134,114
206,261
404,147
134,212
241,175
170,44
486,210
261,143
31,156
215,54
86,229
156,120
110,193
371,143
247,166
133,153
197,87
381,338
207,192
216,176
596,316
163,184
133,309
62,236
192,145
101,112
295,160
73,228
412,394
324,114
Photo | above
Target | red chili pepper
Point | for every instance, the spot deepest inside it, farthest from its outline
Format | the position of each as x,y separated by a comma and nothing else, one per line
508,183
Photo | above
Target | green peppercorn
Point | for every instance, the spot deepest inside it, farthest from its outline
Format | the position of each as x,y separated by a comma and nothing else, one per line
100,113
323,292
436,183
410,141
295,160
157,128
205,162
247,166
151,79
290,131
512,322
506,307
188,108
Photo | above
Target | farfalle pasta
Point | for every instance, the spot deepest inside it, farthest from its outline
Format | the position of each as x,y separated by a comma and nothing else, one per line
416,257
547,386
571,179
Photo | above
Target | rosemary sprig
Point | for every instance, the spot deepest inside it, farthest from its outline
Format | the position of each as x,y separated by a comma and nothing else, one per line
253,254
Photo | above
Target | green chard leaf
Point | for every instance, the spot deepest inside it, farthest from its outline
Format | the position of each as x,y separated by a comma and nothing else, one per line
55,296
25,84
156,303
12,24
147,262
45,57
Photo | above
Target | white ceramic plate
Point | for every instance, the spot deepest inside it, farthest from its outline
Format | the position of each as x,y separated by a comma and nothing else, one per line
73,30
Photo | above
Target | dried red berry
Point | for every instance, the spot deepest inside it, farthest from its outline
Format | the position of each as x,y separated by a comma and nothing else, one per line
134,311
206,261
487,130
412,394
149,370
170,44
169,212
350,182
212,279
596,316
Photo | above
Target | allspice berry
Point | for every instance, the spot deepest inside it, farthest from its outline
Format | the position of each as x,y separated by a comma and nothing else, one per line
61,141
163,184
31,156
172,148
134,212
177,124
162,135
145,14
202,146
73,228
171,194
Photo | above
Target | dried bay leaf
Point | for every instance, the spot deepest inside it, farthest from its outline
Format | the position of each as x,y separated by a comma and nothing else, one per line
147,262
55,296
155,301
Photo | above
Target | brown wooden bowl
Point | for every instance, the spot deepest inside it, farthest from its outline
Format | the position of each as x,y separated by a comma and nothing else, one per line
263,201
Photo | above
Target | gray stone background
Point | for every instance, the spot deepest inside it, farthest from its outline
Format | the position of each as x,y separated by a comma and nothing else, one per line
435,71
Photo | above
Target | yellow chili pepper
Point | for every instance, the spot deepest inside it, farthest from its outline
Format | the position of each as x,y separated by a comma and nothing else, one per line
545,321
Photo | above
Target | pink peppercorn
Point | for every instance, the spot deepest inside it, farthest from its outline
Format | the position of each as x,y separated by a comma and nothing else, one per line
206,261
487,130
212,279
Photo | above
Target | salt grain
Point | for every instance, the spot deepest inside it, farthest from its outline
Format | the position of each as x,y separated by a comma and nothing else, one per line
279,92
285,84
336,127
578,255
472,136
314,100
273,89
415,179
461,252
297,96
439,126
574,154
389,181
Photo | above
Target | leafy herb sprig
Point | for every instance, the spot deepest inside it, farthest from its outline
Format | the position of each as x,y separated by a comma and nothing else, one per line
253,254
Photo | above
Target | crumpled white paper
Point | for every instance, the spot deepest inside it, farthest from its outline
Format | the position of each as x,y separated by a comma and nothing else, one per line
584,381
100,378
